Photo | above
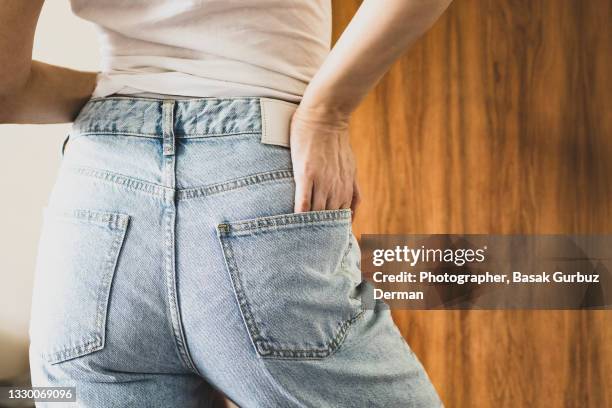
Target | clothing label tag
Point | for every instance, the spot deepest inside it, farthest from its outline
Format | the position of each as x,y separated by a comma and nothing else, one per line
275,121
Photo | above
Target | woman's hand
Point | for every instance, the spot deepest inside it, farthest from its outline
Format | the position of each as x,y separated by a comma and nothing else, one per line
378,34
323,162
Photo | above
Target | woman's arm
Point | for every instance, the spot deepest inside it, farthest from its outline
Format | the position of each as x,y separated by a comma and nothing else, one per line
377,35
32,91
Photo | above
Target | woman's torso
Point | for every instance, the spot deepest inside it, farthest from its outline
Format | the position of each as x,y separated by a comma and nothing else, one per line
209,48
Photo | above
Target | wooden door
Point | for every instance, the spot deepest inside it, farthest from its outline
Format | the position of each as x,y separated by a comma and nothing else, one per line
497,121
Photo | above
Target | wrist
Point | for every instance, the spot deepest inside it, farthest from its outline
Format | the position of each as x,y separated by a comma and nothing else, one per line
322,114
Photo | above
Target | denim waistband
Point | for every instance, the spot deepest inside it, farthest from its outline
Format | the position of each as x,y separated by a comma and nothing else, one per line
191,118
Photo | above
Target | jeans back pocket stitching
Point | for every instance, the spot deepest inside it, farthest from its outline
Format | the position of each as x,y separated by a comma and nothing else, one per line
112,259
261,345
118,223
293,220
245,307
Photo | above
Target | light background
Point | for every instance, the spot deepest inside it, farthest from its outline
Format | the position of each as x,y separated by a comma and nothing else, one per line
28,164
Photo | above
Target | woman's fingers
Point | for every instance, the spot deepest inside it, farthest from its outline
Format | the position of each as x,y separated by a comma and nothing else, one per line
322,160
319,195
341,196
303,194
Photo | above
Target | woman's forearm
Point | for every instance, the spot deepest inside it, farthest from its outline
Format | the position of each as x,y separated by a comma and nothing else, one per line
323,165
377,35
31,91
51,94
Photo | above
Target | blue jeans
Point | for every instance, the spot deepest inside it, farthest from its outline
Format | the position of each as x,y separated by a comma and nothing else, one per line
171,262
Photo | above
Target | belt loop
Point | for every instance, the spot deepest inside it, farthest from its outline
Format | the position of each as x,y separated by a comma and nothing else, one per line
168,127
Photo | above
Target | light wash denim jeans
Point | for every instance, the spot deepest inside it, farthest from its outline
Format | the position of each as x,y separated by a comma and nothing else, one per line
170,262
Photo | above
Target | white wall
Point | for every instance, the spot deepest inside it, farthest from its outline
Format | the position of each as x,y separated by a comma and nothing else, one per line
29,159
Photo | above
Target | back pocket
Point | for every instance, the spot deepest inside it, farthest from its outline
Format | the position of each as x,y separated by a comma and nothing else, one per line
77,256
296,278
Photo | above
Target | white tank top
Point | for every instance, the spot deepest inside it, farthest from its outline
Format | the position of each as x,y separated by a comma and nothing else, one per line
209,48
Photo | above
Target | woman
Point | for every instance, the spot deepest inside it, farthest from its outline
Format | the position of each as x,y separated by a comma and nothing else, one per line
185,246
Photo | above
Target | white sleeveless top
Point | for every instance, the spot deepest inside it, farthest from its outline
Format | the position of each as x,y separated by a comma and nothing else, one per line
209,48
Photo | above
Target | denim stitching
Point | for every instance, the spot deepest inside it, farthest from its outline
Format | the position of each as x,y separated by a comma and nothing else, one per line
265,347
314,354
245,307
169,180
172,301
69,352
251,123
113,220
99,99
335,342
258,178
118,223
168,242
284,220
125,181
179,135
103,132
104,291
158,190
207,135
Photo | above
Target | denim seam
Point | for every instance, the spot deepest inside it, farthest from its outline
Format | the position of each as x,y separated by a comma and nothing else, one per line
99,99
169,180
212,105
275,227
264,347
332,346
127,182
158,190
103,132
215,135
172,300
102,297
112,220
111,264
204,191
69,352
243,306
284,220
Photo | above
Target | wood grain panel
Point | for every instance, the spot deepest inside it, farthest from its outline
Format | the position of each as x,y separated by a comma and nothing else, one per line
497,121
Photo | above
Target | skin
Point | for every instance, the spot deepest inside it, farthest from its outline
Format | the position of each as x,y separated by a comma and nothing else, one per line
323,162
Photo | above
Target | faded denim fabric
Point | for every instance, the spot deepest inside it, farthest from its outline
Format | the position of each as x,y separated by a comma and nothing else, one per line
170,262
